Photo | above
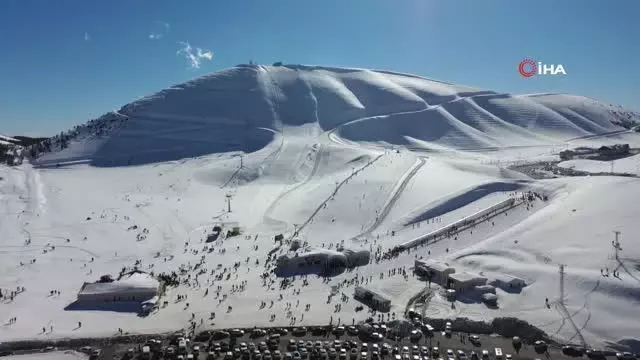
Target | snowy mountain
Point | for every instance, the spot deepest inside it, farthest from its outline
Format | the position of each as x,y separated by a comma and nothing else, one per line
332,157
6,140
245,107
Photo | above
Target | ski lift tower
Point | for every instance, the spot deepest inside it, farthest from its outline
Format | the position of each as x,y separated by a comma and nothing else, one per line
228,196
562,266
616,243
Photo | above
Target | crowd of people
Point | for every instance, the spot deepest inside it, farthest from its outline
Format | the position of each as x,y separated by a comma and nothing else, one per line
219,283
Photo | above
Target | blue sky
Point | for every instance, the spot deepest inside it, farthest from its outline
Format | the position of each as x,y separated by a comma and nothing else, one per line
64,62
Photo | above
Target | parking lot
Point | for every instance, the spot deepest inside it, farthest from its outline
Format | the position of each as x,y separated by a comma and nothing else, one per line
312,345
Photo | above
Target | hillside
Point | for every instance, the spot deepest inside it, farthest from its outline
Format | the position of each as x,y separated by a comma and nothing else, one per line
367,160
244,108
6,140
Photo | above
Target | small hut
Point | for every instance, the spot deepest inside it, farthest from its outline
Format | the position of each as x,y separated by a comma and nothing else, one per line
372,298
136,286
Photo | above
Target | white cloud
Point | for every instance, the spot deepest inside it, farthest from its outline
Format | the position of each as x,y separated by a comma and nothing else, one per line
194,56
204,54
87,37
157,35
165,25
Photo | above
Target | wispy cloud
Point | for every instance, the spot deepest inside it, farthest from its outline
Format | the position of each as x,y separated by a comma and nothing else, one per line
157,35
87,37
194,56
165,25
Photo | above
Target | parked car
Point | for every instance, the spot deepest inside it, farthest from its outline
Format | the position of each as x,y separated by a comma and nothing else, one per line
386,348
540,346
475,340
236,333
352,330
256,333
338,330
450,353
595,354
218,335
435,352
625,356
574,351
299,331
415,335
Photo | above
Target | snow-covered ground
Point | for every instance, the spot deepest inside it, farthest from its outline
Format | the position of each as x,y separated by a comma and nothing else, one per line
628,165
323,150
55,355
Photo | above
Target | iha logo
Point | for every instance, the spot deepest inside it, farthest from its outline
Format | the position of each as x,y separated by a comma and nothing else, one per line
528,68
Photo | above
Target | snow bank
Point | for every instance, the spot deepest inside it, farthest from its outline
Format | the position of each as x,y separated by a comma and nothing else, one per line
54,355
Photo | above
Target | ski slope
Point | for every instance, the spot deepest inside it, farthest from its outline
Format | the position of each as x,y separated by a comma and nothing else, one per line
371,159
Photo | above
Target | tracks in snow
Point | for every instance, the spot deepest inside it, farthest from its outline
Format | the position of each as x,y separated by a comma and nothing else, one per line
274,203
335,192
335,138
395,194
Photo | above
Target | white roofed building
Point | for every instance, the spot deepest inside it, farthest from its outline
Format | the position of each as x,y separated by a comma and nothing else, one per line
438,272
464,281
373,298
490,299
484,289
133,287
507,282
321,261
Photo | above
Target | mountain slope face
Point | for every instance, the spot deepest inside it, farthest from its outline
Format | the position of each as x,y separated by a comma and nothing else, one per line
6,140
244,107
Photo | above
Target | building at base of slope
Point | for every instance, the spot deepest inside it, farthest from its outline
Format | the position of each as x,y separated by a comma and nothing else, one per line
507,282
484,289
374,299
435,271
136,286
490,299
464,281
320,261
442,273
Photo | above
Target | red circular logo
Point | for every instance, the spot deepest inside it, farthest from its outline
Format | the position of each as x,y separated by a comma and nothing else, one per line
527,68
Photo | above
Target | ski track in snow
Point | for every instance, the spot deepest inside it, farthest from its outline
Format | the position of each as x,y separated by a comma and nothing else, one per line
395,194
336,191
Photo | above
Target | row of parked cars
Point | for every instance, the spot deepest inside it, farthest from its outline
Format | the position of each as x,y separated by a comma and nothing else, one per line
596,354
